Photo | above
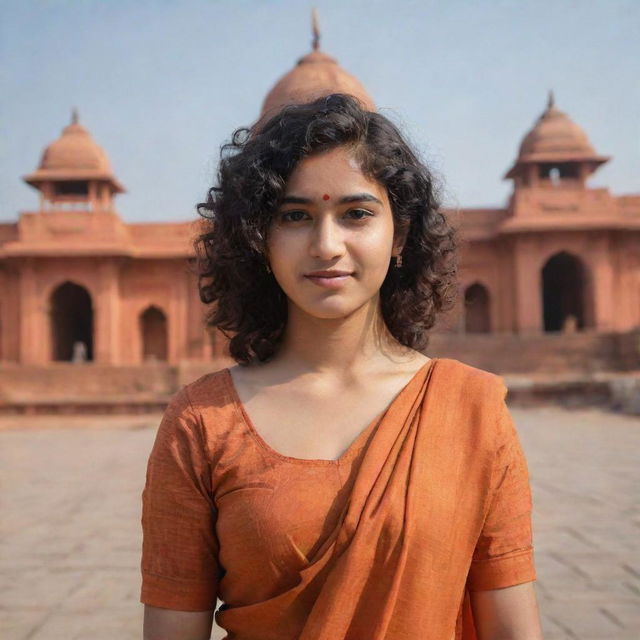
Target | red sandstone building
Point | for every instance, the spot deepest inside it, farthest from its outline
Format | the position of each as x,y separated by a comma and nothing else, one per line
561,261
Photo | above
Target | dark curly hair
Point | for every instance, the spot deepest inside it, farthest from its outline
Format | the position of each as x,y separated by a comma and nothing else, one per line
254,167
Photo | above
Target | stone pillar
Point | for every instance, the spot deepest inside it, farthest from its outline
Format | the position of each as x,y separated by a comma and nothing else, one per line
177,334
501,302
602,291
46,189
93,196
32,318
196,335
583,173
628,287
528,291
106,306
103,191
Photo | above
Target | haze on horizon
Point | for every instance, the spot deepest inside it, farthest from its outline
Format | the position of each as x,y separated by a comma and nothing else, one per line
161,85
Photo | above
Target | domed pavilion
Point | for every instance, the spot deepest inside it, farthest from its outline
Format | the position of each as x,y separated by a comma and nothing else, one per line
74,169
555,148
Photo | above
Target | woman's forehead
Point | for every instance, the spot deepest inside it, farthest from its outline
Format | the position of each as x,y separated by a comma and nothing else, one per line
328,173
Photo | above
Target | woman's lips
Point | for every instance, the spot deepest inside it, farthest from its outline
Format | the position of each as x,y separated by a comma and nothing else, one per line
334,282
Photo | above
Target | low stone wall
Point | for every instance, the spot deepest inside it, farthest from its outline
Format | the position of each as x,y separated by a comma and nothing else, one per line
625,394
628,350
92,389
86,380
583,352
65,388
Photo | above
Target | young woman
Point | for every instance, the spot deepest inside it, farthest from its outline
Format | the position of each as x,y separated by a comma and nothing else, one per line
336,483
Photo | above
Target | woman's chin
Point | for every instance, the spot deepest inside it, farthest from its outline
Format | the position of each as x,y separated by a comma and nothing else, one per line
330,308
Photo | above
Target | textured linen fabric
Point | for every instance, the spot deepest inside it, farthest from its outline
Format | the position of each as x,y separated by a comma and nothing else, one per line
431,501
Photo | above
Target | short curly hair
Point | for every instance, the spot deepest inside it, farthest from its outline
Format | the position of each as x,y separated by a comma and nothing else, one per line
247,303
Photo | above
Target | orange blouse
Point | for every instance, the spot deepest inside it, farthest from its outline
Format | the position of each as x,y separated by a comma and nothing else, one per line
431,501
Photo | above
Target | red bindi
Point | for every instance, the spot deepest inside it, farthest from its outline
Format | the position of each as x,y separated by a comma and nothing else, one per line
325,196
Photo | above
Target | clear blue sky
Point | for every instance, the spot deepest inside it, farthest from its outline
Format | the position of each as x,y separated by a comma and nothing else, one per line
161,84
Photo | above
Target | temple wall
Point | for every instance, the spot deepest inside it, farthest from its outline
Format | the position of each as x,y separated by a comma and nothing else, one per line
9,313
508,266
483,264
120,290
39,277
161,284
625,256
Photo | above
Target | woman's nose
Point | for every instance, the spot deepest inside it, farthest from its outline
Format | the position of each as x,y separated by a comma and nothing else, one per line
326,240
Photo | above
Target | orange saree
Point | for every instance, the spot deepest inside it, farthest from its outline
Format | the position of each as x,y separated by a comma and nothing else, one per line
432,501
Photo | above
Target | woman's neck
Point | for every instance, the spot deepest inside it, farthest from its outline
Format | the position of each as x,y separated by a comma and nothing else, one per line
357,343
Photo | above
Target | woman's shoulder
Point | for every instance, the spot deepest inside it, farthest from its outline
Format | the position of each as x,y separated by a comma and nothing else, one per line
474,380
210,390
476,400
202,411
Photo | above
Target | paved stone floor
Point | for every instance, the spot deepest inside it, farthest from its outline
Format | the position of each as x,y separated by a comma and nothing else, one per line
70,534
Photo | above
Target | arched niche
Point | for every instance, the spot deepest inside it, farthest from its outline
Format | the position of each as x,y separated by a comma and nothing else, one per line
71,322
563,283
153,334
477,316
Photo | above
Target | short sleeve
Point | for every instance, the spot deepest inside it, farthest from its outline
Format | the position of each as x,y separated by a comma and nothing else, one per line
503,555
179,563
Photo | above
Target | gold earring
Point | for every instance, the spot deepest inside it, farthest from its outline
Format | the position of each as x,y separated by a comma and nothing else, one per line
268,268
399,260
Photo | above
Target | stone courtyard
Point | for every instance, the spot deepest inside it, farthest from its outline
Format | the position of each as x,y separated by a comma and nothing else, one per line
70,531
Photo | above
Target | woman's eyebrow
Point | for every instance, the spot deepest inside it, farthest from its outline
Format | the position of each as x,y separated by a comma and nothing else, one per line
356,197
296,200
359,197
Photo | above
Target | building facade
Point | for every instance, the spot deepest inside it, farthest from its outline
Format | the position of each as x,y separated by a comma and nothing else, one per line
77,283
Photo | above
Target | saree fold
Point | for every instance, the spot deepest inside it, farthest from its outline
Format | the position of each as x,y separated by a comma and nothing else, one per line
396,565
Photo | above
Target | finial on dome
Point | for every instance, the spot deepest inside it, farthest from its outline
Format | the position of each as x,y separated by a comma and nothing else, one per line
551,102
315,43
74,116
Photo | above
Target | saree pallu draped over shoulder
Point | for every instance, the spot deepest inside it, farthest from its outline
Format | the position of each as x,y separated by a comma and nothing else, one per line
440,505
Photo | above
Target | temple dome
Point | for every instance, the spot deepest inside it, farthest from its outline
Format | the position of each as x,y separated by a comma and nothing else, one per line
75,149
555,137
315,75
74,156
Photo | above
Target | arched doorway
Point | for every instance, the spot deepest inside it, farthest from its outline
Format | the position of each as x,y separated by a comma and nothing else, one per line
71,323
563,293
477,316
153,331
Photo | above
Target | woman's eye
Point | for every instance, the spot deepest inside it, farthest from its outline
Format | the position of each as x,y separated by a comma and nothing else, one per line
291,215
362,211
296,215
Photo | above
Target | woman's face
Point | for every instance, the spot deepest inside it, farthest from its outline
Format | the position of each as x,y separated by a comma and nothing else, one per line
332,217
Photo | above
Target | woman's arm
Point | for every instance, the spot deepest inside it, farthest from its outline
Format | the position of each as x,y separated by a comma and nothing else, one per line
179,564
502,575
167,624
510,613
